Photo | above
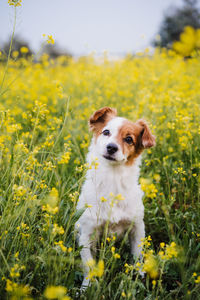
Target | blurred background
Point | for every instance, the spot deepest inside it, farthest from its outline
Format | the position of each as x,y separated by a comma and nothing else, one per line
83,26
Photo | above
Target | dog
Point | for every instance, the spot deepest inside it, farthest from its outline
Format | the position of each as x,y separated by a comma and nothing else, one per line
116,148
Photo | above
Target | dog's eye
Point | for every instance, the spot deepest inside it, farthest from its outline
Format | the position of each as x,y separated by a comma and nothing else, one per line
106,132
129,140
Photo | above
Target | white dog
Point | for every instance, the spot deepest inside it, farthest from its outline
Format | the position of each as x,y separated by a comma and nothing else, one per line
116,145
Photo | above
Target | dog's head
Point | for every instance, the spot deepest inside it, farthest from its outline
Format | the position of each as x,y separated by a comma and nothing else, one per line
117,139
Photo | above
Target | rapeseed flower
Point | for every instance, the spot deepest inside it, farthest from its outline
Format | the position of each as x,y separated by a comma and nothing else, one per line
15,2
168,251
57,229
150,265
189,41
148,187
55,292
197,280
24,50
60,244
50,39
96,269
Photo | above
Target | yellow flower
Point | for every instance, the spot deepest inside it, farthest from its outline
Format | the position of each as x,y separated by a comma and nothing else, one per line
123,294
52,201
150,265
91,263
19,290
154,283
162,245
50,39
148,187
171,250
197,280
55,292
24,50
113,249
157,177
119,197
88,205
128,268
60,244
15,2
69,250
162,255
15,54
94,163
51,210
96,270
65,157
103,199
57,230
10,285
187,41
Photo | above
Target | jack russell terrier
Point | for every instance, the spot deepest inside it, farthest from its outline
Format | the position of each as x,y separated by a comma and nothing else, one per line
117,144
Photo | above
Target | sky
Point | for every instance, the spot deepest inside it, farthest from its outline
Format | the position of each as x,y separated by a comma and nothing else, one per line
84,26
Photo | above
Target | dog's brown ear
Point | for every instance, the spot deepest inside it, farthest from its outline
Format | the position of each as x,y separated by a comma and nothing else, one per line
99,119
147,138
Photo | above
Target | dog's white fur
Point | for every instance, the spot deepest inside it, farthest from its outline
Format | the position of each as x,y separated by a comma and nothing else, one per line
110,176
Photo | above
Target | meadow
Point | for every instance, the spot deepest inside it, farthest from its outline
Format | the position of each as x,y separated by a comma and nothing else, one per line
44,136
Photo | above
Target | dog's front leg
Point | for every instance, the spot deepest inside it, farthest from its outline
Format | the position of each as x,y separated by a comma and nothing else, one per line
86,256
135,238
135,241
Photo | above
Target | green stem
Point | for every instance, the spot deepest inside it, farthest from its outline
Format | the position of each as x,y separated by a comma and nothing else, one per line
5,260
9,53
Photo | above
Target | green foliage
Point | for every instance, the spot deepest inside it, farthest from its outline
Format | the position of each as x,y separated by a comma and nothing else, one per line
174,22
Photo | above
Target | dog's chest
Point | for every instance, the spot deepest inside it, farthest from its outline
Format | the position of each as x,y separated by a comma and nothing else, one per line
113,195
111,182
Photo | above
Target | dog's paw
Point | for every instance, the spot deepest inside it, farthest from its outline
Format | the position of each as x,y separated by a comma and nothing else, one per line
85,284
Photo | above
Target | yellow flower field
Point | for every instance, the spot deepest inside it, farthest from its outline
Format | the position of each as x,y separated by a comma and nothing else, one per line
44,110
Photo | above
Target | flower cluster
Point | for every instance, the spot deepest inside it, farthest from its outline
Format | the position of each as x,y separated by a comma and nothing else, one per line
189,41
168,251
151,266
50,39
149,188
15,2
95,269
153,263
56,292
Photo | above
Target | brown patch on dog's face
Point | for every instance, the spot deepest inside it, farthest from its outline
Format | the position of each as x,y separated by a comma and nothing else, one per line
100,118
134,138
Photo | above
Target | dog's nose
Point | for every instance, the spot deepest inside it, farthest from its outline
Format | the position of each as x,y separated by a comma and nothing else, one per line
112,148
